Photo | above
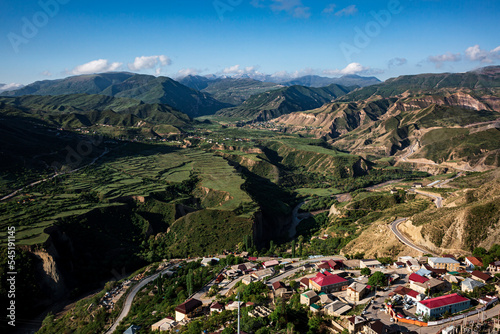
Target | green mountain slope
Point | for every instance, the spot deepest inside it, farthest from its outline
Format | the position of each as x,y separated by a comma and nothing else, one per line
147,88
486,77
269,105
346,80
85,110
233,91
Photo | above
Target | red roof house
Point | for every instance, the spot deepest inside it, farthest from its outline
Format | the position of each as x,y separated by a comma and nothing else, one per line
417,278
328,282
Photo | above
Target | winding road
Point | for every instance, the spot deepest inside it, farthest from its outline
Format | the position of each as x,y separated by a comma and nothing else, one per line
130,298
403,239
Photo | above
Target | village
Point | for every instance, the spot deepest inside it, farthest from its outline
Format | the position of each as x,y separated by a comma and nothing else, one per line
412,294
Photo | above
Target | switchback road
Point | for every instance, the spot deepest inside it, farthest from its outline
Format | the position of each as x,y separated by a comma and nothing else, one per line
403,239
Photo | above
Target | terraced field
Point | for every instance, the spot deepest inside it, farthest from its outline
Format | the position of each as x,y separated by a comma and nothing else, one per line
121,175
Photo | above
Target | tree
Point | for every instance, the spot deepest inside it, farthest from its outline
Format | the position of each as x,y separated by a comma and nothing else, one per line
377,279
479,252
366,271
189,282
293,248
301,242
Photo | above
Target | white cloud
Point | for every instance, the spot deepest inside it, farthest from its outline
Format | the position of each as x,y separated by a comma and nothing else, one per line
348,11
46,73
188,71
95,66
293,7
149,62
397,62
329,9
352,68
447,57
238,70
11,86
475,53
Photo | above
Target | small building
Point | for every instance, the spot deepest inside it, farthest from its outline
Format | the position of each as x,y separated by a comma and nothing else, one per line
336,264
216,307
304,283
164,325
188,309
432,285
488,300
472,262
356,291
309,297
247,279
435,307
261,274
480,276
352,264
323,265
469,285
370,264
394,191
132,329
327,282
356,323
270,264
336,308
417,185
408,293
314,308
412,265
233,305
424,272
280,289
444,263
399,264
325,298
494,267
377,327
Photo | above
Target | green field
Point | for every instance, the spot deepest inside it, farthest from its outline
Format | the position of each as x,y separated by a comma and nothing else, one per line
123,173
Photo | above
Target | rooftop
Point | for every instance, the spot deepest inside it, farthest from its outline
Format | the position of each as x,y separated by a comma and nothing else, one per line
443,260
475,261
188,306
327,279
443,301
480,275
417,278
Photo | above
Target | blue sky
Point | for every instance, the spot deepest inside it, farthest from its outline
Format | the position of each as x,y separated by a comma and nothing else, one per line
50,39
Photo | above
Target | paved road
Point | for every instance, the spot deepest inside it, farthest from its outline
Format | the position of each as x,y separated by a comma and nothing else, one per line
438,200
130,298
403,239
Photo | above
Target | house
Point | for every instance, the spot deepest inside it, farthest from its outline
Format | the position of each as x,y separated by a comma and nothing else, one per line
473,262
377,327
336,308
488,300
232,273
132,329
323,265
325,298
280,289
369,264
399,264
408,293
327,282
304,283
314,308
435,307
188,309
412,265
356,291
494,267
469,285
247,279
480,276
355,324
416,278
451,278
231,306
424,272
336,264
270,264
431,285
435,272
309,297
352,264
164,325
444,263
417,185
394,191
216,307
261,274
